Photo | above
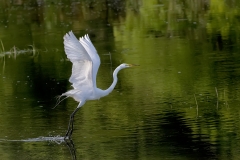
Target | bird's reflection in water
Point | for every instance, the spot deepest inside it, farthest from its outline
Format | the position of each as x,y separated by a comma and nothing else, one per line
71,148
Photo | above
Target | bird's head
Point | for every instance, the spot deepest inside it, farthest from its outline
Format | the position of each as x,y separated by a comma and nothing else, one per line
125,65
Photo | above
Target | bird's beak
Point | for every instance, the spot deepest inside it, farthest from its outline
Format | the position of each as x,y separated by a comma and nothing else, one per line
133,65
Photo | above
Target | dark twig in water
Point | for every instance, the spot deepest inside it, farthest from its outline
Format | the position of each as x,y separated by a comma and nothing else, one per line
2,46
217,96
110,57
3,50
226,99
196,104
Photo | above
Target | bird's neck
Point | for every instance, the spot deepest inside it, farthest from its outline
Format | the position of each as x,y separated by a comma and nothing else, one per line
115,79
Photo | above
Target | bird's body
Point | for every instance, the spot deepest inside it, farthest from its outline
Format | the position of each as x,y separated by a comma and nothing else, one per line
86,62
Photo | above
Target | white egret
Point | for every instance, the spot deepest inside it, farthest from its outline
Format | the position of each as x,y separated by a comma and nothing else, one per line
85,64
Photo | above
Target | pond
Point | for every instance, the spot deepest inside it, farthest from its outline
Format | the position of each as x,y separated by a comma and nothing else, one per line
182,102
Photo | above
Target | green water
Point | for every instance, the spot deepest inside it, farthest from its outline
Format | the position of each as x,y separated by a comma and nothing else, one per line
181,103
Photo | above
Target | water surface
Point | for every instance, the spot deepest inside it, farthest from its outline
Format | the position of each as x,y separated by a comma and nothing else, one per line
181,103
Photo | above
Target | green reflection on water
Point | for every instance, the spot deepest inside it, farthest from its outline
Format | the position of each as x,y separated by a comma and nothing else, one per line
183,48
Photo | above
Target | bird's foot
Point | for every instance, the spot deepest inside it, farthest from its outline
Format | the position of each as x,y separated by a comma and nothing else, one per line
67,138
68,135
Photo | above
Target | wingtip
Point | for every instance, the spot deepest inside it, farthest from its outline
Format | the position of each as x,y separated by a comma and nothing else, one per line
65,36
80,38
68,35
87,38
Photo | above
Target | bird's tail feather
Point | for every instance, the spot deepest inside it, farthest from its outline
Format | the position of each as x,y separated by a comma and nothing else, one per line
59,100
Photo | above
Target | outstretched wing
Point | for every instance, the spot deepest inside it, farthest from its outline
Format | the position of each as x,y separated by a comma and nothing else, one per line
83,63
89,47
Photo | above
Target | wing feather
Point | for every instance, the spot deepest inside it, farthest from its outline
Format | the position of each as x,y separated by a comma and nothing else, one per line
83,75
74,50
89,47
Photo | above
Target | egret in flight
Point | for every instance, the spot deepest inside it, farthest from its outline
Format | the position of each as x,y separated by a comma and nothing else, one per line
85,64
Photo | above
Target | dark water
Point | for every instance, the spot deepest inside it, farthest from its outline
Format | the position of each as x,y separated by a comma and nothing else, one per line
181,103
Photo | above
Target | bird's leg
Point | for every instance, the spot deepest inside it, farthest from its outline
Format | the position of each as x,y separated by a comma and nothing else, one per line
70,125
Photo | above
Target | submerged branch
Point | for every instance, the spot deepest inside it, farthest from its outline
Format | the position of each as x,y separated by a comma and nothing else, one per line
217,96
196,104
